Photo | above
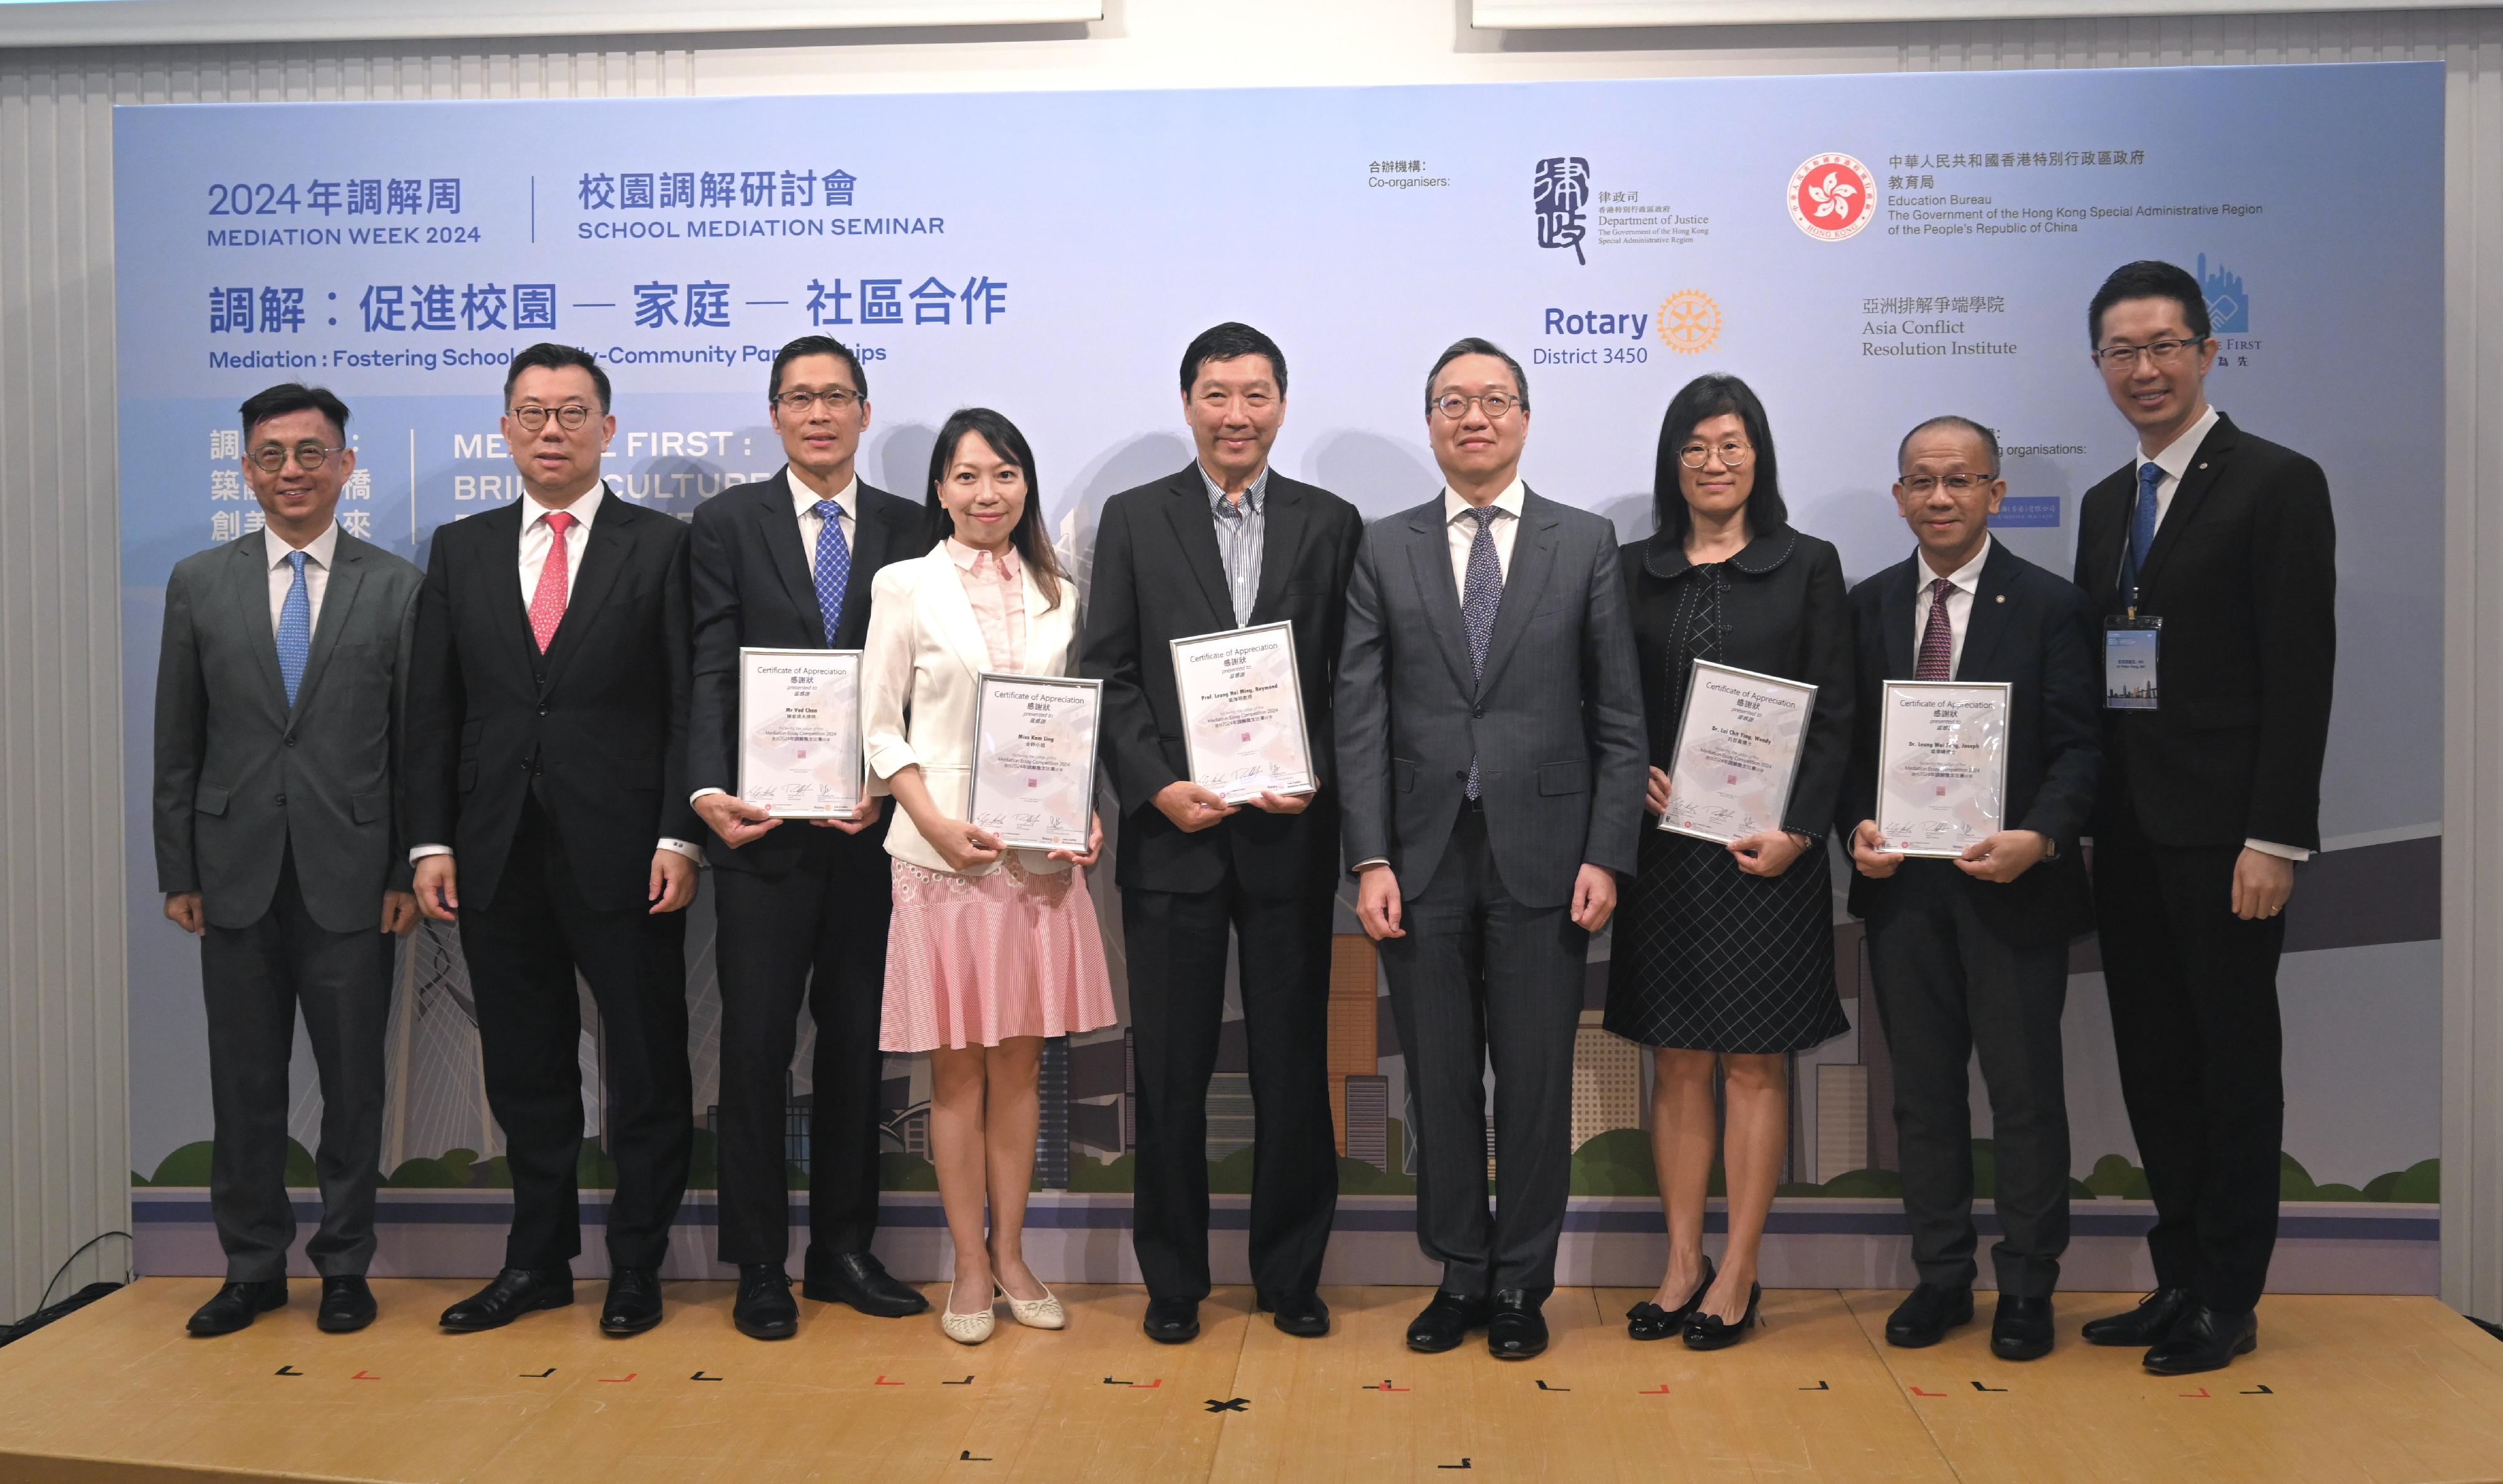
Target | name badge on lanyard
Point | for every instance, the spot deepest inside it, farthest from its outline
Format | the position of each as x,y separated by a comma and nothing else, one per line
2129,662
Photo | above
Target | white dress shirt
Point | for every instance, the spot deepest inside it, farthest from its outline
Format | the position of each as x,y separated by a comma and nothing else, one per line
318,553
2175,460
1464,533
1968,585
803,504
536,538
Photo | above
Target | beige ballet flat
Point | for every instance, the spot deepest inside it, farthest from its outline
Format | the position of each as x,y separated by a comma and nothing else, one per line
964,1329
1043,1313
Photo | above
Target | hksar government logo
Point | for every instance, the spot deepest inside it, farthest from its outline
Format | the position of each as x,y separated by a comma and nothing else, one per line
1689,321
1833,196
1558,188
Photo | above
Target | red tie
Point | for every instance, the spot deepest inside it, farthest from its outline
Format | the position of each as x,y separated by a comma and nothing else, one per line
547,604
1938,640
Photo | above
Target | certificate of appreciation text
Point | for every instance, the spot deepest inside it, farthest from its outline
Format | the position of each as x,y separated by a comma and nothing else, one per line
800,731
1243,712
1737,750
1941,764
1034,760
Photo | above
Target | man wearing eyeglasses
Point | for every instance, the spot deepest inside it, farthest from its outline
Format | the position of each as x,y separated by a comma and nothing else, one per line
1970,956
787,563
547,798
2212,558
1491,768
279,688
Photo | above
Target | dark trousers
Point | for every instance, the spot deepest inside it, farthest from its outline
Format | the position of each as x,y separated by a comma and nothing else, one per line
1948,987
2195,1026
253,980
1177,948
816,934
1479,973
524,950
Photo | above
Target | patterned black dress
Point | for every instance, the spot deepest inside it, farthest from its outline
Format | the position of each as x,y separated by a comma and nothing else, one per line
1707,957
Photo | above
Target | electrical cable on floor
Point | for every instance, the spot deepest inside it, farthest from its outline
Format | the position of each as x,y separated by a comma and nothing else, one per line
45,1310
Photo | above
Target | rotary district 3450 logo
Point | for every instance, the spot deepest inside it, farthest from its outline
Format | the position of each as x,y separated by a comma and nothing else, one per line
1689,321
1833,196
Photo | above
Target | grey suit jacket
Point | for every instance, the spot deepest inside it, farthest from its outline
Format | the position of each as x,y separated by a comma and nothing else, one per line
240,774
1556,722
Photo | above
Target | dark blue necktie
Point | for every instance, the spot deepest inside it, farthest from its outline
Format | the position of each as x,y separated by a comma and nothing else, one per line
2141,520
833,567
1478,602
294,628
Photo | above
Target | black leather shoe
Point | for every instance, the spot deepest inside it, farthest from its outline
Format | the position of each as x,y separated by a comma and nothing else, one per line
634,1301
1172,1321
1649,1321
347,1305
516,1292
2021,1329
765,1308
1302,1315
1707,1331
1926,1315
1446,1321
236,1306
2153,1319
1516,1330
861,1280
2204,1341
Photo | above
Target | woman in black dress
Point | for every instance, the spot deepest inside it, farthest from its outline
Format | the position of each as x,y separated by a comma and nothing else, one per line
1725,953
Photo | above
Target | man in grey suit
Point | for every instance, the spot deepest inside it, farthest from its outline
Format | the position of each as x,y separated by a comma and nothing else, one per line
1491,763
278,719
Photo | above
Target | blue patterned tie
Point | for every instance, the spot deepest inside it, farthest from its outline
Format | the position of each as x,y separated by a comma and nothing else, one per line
834,565
294,628
2142,523
1478,602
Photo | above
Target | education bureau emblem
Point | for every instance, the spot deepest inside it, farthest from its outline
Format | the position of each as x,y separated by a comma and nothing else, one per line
1833,196
1689,321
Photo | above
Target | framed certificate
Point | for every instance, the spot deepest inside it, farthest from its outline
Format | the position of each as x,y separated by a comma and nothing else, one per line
1033,782
1243,712
1738,751
800,731
1941,764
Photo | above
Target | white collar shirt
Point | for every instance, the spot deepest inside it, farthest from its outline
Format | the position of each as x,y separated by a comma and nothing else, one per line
1464,533
537,536
1967,581
2174,461
319,554
803,504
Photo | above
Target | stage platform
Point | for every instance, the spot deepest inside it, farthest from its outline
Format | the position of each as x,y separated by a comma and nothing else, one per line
2386,1390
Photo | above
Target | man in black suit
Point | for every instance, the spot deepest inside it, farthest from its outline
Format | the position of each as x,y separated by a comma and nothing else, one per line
548,758
1490,761
1224,543
286,859
2211,793
803,909
1971,954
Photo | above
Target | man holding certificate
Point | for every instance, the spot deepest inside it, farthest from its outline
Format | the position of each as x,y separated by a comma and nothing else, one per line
1213,622
780,573
1973,768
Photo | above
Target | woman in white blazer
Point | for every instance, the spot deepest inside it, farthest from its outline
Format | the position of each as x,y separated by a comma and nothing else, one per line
991,950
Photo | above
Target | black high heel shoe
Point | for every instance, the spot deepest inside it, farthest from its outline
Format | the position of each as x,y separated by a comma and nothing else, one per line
1707,1331
1649,1321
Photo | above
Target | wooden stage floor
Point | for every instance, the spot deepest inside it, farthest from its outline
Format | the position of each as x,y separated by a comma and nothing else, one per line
2387,1390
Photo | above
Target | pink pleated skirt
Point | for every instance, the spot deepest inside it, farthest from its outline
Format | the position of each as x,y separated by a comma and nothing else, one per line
972,960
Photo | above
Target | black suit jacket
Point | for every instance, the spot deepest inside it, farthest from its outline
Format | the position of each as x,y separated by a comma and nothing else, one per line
752,582
596,727
1158,577
2244,572
2036,632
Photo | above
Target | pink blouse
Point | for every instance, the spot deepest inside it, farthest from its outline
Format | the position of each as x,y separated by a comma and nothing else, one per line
994,586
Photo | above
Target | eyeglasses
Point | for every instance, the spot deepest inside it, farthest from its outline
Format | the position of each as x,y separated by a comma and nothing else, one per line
836,399
1956,484
1733,454
270,458
2163,353
570,416
1495,404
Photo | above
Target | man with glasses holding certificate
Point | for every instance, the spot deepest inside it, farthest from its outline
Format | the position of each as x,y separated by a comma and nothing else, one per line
1213,621
800,881
1974,764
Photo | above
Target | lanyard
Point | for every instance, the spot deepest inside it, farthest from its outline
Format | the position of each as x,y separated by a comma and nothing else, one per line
2129,547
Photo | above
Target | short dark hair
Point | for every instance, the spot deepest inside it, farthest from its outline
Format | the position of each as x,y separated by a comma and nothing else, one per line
1710,395
294,396
1032,541
1989,439
1472,345
817,345
1225,342
2150,277
547,356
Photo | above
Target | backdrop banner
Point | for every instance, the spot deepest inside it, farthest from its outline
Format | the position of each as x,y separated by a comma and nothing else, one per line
1867,251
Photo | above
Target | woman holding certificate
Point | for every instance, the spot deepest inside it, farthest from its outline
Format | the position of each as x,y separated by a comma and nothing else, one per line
994,945
1725,942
